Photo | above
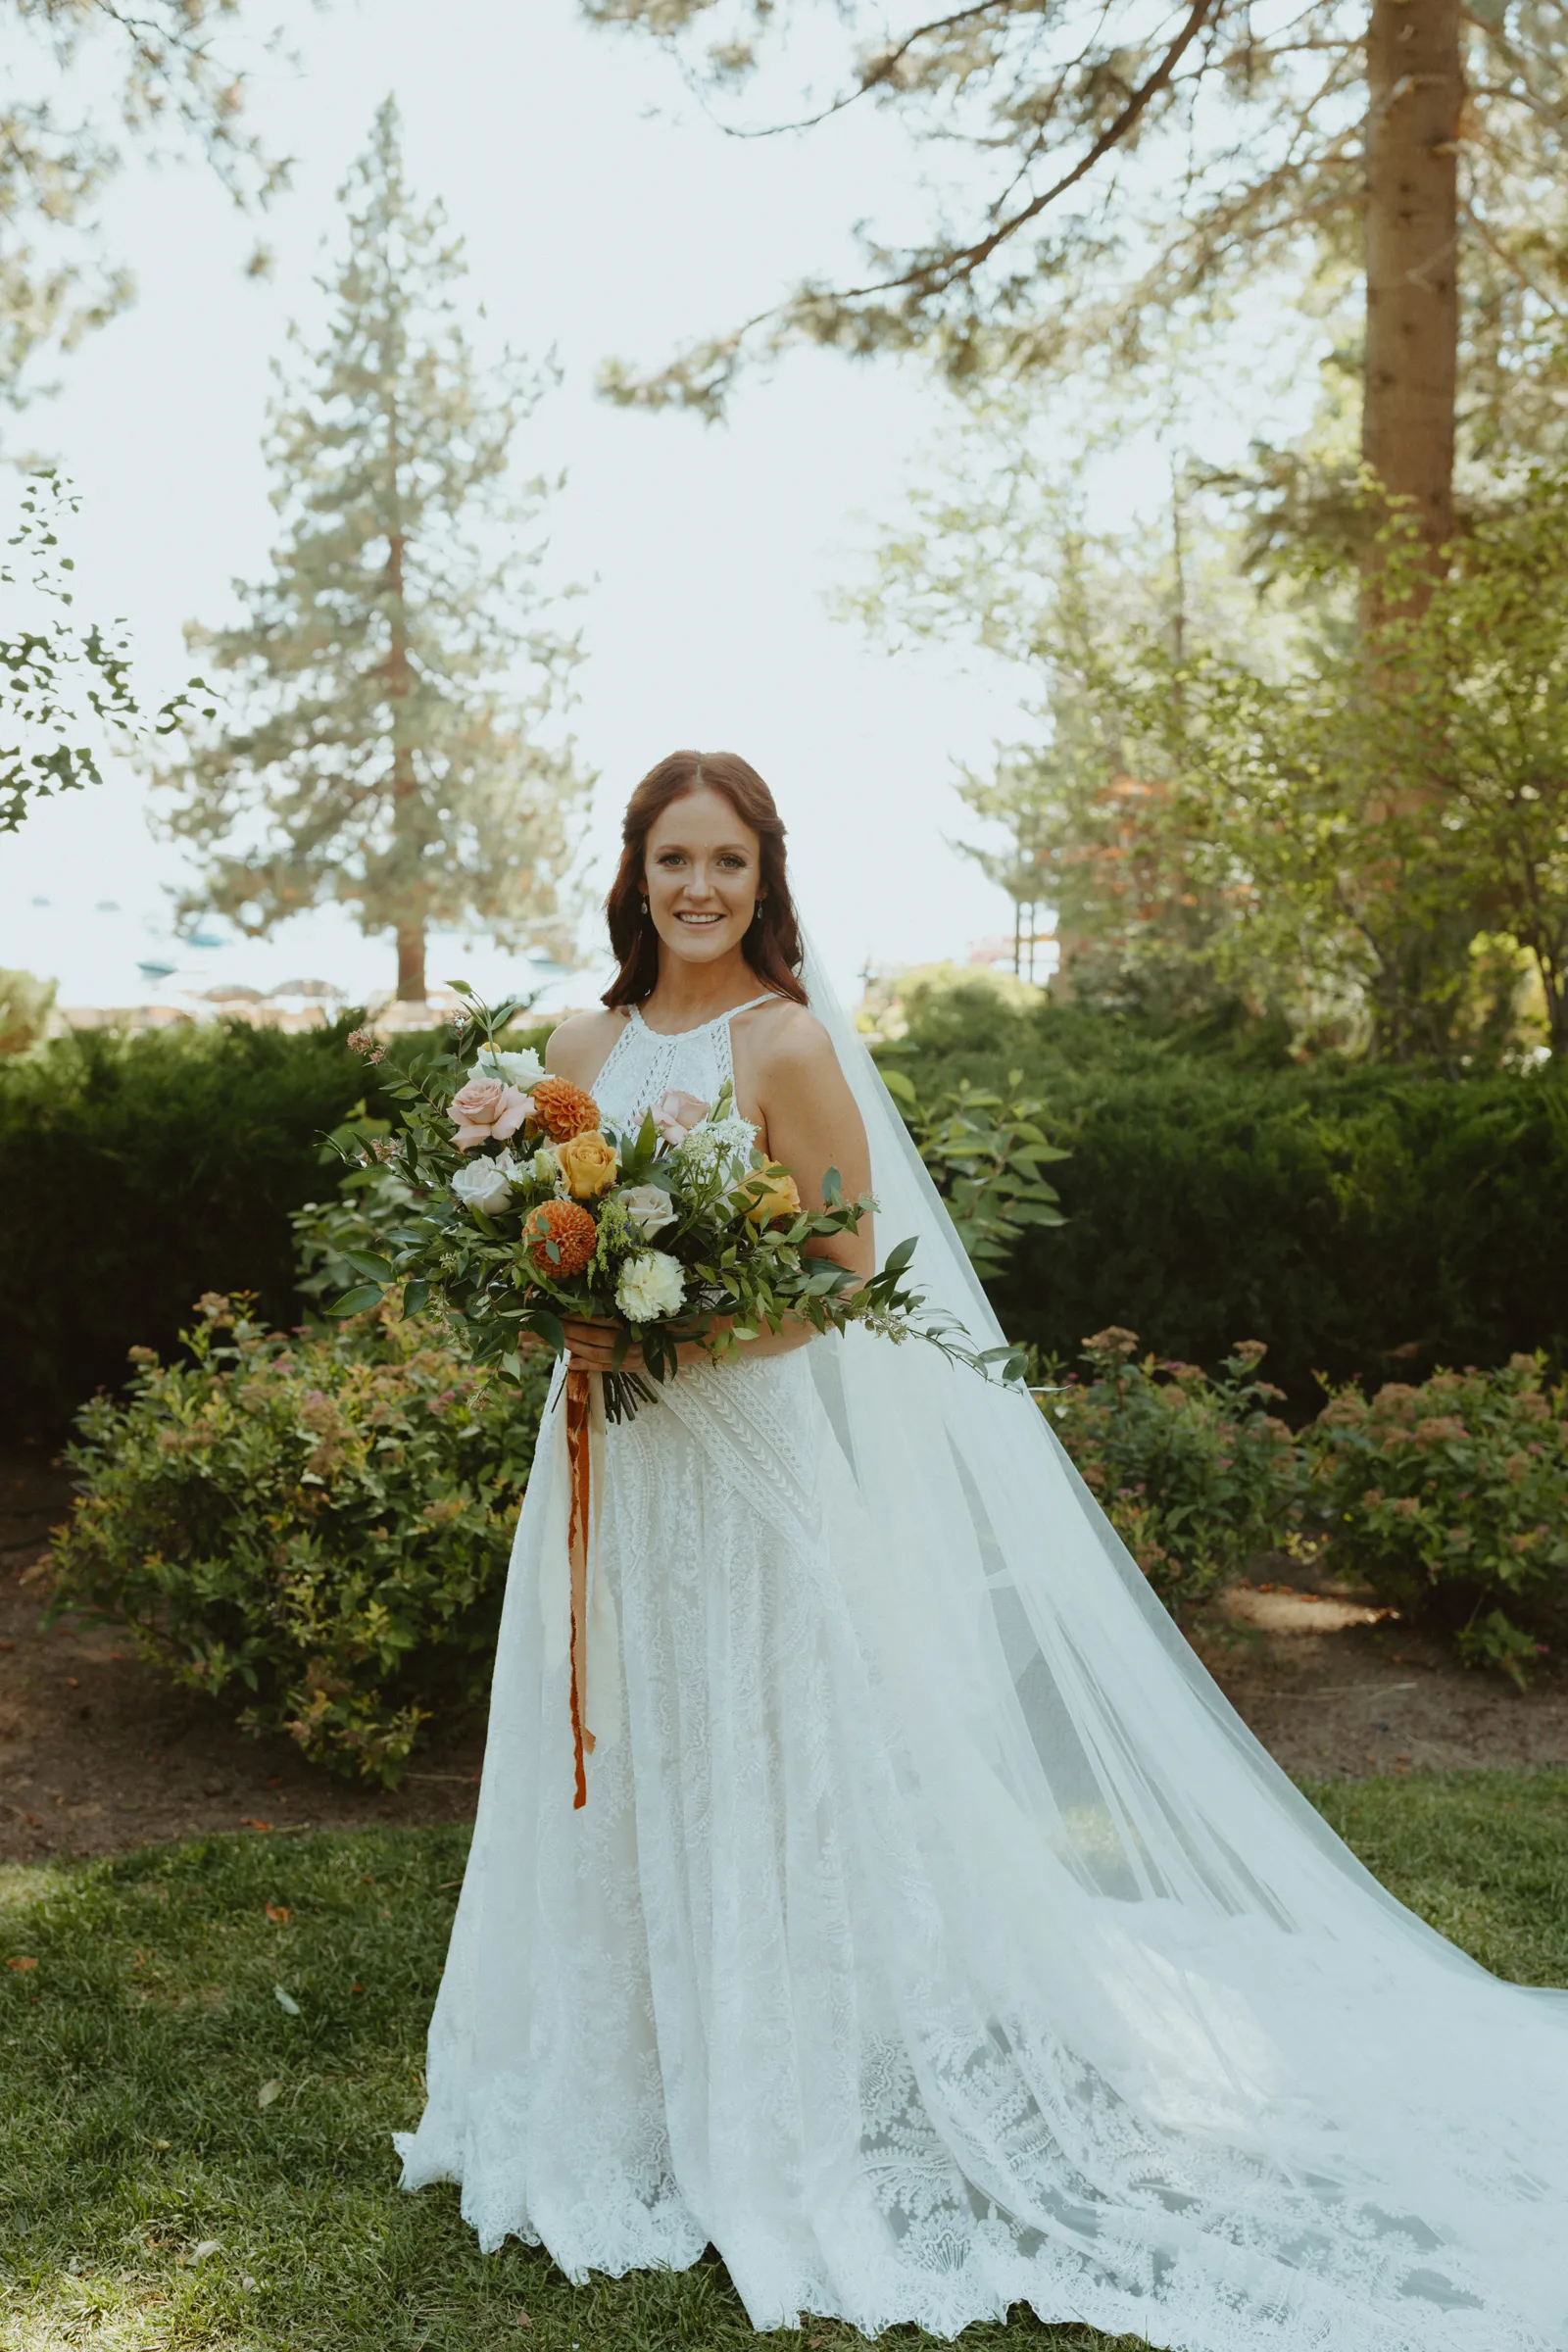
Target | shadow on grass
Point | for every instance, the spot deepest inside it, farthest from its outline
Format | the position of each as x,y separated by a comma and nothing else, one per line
188,2162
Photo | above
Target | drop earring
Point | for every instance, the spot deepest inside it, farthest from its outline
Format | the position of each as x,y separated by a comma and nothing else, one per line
644,906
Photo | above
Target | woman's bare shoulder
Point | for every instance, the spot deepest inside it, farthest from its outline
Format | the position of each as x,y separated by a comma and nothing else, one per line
580,1045
788,1038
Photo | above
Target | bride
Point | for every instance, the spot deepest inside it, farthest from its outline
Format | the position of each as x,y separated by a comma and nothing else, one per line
934,1937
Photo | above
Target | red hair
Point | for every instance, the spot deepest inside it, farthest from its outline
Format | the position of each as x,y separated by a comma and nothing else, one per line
773,942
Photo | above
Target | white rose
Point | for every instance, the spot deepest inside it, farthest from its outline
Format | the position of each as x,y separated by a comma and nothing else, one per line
648,1208
485,1183
651,1284
522,1069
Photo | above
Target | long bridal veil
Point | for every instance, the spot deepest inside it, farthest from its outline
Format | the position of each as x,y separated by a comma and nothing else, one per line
1244,2095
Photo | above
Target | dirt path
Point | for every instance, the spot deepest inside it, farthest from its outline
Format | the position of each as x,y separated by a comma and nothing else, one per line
97,1755
1334,1690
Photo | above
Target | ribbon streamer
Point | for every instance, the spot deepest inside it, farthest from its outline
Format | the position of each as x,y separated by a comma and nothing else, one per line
579,1397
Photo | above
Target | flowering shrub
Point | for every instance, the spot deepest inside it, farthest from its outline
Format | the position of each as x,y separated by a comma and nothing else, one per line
1195,1474
1451,1500
315,1524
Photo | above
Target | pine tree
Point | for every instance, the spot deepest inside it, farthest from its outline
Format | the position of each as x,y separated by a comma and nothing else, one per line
379,751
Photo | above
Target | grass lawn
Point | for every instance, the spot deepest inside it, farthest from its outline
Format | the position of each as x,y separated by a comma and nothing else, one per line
188,2162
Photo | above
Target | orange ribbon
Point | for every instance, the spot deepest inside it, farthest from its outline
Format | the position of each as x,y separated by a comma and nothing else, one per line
578,1395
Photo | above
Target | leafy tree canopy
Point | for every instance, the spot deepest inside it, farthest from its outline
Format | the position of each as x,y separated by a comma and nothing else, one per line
1116,169
178,85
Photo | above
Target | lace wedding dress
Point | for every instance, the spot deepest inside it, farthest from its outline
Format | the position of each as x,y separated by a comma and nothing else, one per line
934,1938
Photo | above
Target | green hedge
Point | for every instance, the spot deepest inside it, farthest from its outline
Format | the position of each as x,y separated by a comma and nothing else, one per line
138,1172
1363,1221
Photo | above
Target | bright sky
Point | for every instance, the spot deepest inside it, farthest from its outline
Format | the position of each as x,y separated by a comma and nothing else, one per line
599,225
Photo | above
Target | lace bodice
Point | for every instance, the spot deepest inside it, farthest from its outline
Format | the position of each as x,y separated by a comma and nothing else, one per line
644,1064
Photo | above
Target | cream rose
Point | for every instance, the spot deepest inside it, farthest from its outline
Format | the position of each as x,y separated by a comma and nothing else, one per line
588,1164
513,1069
486,1111
648,1209
651,1284
486,1183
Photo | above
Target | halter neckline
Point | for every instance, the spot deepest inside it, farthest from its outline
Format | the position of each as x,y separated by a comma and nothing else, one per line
769,996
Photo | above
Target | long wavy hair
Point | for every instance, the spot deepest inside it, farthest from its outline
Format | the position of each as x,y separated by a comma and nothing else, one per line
773,942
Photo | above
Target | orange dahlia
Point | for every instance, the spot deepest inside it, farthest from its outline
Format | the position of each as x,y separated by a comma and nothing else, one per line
562,1109
570,1227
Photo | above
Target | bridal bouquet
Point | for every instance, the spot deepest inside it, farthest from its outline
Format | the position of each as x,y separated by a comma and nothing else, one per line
526,1208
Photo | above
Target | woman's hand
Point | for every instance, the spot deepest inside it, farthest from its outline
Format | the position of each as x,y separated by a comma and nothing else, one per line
591,1346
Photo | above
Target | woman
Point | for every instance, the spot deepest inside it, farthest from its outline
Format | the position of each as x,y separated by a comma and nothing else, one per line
934,1937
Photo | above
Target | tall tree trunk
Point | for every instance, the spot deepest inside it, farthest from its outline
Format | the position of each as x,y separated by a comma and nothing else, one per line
404,782
1415,89
410,963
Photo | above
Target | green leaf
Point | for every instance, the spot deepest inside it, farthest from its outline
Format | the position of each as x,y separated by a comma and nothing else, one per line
366,1263
898,1256
355,1302
414,1295
899,1087
548,1328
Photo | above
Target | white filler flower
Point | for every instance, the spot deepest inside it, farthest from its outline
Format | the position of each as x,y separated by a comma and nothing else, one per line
651,1284
485,1183
648,1209
522,1069
719,1146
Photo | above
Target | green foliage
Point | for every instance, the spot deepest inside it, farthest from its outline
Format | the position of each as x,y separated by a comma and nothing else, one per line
26,1004
1373,834
65,689
137,1172
984,1152
1451,1500
1367,1221
315,1526
380,755
1195,1474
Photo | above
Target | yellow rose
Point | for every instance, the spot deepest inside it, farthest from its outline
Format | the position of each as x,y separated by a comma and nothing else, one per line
588,1163
780,1197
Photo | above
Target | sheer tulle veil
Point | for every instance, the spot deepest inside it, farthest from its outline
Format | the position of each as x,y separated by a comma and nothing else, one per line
1226,1962
1029,1547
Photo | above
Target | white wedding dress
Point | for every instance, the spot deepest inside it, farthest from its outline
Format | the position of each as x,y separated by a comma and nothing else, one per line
934,1938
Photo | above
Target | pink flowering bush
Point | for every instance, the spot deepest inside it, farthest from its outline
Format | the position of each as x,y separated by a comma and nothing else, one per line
1451,1500
1195,1474
310,1527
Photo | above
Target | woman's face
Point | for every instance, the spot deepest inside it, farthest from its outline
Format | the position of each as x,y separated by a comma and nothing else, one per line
702,876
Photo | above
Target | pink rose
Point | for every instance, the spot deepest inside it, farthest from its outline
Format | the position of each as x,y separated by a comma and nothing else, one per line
675,1116
486,1111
